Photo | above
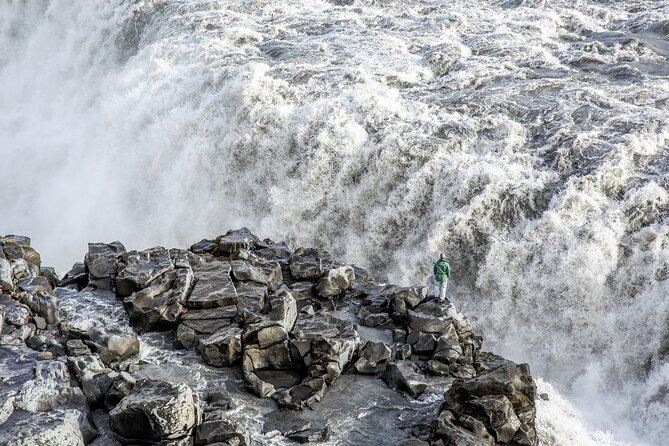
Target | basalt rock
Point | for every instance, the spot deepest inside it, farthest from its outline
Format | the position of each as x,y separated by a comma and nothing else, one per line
113,345
306,263
77,276
101,262
6,280
238,300
161,304
222,348
336,281
259,271
402,376
214,287
154,412
502,401
137,269
373,358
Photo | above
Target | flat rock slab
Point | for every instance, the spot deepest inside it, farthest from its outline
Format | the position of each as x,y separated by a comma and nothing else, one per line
233,241
401,376
213,287
139,268
260,271
430,317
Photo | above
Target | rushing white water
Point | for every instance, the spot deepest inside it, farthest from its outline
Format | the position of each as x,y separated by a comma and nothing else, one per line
526,138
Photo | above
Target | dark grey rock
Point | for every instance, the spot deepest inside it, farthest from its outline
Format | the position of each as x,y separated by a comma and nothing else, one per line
119,389
101,260
203,247
302,395
223,348
76,347
6,279
373,358
235,240
283,308
50,274
429,317
257,386
161,304
34,284
221,431
450,434
273,251
185,337
39,321
402,351
286,422
305,263
76,276
214,287
336,281
261,271
16,314
113,345
494,399
401,376
312,435
302,290
448,350
154,411
425,344
137,269
377,320
43,304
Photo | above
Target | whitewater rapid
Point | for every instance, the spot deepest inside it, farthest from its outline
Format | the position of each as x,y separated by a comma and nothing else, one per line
528,139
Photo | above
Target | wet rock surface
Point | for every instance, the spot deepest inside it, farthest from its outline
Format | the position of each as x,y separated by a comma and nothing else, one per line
161,346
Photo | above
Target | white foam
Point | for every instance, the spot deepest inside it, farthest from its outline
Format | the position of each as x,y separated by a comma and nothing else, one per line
524,138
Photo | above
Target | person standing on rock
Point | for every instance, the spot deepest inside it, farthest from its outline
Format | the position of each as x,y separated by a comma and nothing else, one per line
442,270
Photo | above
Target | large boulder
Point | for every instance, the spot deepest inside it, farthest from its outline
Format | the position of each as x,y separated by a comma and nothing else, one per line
324,344
233,241
161,304
429,317
502,401
113,345
43,304
336,281
213,287
101,262
283,308
222,348
137,269
76,276
306,263
373,358
400,375
155,411
259,271
62,427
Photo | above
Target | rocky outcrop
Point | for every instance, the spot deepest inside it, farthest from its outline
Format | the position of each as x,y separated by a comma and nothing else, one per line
292,321
496,407
156,412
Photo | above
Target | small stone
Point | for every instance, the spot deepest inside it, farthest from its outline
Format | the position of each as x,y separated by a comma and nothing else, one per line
40,323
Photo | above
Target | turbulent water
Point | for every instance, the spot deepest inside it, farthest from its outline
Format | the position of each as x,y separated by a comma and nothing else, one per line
528,139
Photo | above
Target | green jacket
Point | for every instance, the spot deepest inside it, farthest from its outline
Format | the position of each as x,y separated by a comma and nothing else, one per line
442,270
